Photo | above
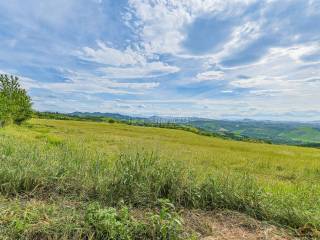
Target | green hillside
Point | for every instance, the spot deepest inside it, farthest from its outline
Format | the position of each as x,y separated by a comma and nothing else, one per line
57,169
292,133
305,134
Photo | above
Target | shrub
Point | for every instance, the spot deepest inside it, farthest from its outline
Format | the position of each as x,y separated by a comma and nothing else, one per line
111,120
108,223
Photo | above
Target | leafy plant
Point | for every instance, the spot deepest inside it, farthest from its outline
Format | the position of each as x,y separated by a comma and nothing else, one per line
167,224
108,223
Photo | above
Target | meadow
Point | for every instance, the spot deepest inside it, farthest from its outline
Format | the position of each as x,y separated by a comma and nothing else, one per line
76,179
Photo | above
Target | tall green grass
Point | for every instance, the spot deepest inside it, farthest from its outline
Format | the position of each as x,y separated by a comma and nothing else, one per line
45,169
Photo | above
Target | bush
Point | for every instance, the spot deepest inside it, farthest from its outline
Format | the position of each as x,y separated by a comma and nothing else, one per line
108,223
15,104
111,120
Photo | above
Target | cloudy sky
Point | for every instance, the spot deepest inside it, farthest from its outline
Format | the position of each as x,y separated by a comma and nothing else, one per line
210,58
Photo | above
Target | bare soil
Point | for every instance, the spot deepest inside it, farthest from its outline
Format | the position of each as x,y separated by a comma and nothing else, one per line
219,225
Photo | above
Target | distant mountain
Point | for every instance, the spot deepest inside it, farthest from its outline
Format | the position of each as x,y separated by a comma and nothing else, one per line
116,116
316,123
152,119
157,119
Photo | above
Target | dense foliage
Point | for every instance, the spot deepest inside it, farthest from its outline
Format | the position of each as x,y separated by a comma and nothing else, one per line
15,104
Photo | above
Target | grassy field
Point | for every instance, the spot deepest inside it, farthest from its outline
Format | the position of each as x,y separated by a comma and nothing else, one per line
76,172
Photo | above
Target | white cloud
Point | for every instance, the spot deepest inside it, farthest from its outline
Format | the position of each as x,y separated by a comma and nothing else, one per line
240,37
88,83
227,91
210,75
111,56
282,72
127,63
147,70
299,51
161,23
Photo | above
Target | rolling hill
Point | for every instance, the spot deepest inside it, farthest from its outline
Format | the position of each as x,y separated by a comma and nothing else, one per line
75,179
290,133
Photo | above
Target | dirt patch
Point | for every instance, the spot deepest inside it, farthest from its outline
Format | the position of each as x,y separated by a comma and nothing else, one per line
220,225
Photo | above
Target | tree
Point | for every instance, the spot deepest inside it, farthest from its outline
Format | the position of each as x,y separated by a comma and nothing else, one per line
15,104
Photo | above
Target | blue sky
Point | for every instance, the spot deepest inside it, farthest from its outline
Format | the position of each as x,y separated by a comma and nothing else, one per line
208,58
